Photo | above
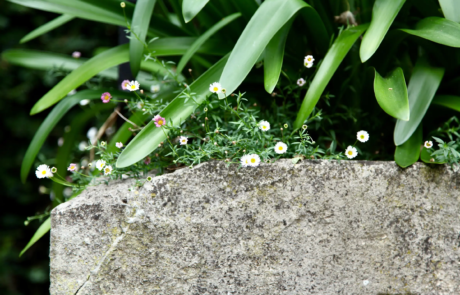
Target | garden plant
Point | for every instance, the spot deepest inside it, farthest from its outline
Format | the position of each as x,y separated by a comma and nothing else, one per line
245,82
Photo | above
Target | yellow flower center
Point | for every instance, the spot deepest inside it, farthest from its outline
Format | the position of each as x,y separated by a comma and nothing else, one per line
160,122
216,88
280,148
350,153
264,127
253,160
107,170
43,172
133,86
362,136
309,59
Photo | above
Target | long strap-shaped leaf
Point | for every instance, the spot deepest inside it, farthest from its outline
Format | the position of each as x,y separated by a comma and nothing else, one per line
54,117
331,62
113,57
45,61
391,94
448,101
190,8
409,152
437,29
273,59
105,11
141,19
423,84
451,9
271,16
383,14
203,38
177,111
49,26
41,231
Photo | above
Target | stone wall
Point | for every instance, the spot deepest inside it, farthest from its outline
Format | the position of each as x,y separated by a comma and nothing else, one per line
317,227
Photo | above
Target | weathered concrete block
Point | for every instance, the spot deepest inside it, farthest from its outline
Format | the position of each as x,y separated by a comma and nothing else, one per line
318,227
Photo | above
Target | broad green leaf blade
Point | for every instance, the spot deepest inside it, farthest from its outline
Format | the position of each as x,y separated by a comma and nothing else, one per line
116,56
49,26
54,117
409,152
273,59
271,16
426,157
451,9
41,231
141,19
100,62
203,38
437,29
105,11
123,134
383,15
391,94
423,84
149,138
190,8
448,101
330,63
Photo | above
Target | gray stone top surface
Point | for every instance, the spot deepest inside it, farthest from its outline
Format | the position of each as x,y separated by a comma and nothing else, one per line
317,227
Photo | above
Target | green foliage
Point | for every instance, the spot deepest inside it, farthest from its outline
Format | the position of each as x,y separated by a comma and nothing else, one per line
210,39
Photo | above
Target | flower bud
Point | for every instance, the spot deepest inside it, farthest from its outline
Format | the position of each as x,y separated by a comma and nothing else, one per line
206,118
202,125
126,100
141,91
215,143
234,142
122,4
281,129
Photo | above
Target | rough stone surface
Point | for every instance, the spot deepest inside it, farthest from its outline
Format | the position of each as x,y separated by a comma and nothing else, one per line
318,227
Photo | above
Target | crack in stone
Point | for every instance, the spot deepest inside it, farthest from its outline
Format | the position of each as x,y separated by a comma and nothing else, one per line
107,253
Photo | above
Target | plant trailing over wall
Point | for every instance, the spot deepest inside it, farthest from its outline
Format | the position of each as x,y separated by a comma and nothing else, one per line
238,80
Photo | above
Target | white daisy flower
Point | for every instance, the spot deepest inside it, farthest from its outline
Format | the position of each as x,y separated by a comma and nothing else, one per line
301,82
428,144
308,62
43,171
244,161
100,164
351,152
254,160
119,145
155,88
108,170
264,125
215,87
133,86
280,148
183,140
363,136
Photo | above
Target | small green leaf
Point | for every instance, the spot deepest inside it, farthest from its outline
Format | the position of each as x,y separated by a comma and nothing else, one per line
391,94
330,63
190,8
203,38
177,111
448,101
41,231
273,59
426,157
54,117
271,16
451,9
141,19
423,84
383,15
409,152
49,26
437,29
